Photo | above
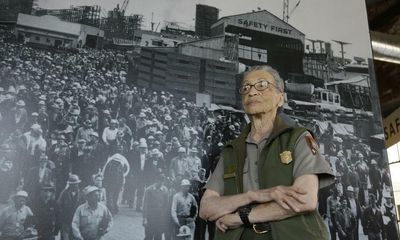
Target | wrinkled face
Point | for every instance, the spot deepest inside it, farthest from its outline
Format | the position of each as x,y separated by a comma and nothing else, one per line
93,197
46,194
98,182
19,202
185,188
260,102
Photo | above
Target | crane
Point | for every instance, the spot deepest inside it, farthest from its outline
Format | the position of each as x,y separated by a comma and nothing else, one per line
286,13
124,6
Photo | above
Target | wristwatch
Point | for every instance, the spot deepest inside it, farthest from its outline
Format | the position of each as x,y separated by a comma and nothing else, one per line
244,212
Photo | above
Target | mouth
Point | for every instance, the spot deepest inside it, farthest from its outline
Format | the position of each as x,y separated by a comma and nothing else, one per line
252,102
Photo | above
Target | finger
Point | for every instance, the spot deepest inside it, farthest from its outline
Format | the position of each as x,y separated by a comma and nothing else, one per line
299,190
298,197
283,205
221,226
293,204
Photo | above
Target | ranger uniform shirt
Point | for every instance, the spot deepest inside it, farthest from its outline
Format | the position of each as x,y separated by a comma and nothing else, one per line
305,162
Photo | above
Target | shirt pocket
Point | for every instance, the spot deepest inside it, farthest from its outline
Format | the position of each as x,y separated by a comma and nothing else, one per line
85,220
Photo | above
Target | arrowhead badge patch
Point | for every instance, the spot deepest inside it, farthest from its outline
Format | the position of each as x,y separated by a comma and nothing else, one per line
312,144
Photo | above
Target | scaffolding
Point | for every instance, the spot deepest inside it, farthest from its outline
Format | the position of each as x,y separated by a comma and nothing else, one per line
88,15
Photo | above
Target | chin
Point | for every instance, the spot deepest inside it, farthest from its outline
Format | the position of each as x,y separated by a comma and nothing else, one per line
253,111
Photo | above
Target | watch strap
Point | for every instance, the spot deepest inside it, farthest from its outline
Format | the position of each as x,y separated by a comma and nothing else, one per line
244,212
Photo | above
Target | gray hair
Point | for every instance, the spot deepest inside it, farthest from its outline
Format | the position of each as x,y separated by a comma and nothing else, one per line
278,80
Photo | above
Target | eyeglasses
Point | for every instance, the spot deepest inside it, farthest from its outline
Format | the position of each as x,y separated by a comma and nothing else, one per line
259,86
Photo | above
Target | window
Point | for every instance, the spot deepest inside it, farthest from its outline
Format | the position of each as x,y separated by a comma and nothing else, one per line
158,43
337,99
37,38
324,97
330,97
256,54
47,40
183,61
183,76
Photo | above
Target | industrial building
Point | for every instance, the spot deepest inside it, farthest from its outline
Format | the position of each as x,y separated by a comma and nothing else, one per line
263,38
205,17
146,38
252,39
50,31
9,10
210,66
88,15
168,70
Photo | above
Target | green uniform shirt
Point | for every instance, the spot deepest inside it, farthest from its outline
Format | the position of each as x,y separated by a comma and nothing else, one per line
250,165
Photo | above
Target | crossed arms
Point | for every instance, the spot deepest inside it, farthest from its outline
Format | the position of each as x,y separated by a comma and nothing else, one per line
271,204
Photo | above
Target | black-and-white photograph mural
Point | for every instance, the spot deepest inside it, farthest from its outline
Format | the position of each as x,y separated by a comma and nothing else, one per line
113,114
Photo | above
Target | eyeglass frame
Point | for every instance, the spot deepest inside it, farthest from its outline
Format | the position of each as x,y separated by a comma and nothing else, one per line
254,85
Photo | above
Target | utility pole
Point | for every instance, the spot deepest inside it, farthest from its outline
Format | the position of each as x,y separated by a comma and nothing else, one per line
342,49
152,22
285,15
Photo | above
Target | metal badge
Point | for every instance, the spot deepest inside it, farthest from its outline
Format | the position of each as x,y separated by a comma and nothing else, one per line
286,157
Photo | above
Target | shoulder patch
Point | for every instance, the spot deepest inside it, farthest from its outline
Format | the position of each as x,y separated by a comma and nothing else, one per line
312,144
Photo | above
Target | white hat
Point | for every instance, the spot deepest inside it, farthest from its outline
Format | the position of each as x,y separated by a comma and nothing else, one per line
36,127
143,145
154,152
185,182
73,179
194,150
21,194
168,117
89,189
181,150
21,103
350,189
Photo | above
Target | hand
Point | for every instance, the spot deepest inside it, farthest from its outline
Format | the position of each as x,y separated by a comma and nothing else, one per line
229,221
144,222
288,197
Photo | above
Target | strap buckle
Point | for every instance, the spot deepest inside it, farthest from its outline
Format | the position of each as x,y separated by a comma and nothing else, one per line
261,228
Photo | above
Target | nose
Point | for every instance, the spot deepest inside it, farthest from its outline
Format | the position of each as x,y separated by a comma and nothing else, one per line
253,91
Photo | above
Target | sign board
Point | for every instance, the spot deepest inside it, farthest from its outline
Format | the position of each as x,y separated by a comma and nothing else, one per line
203,98
391,128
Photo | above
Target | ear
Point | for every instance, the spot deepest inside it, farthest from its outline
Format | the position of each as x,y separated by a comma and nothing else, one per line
281,100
